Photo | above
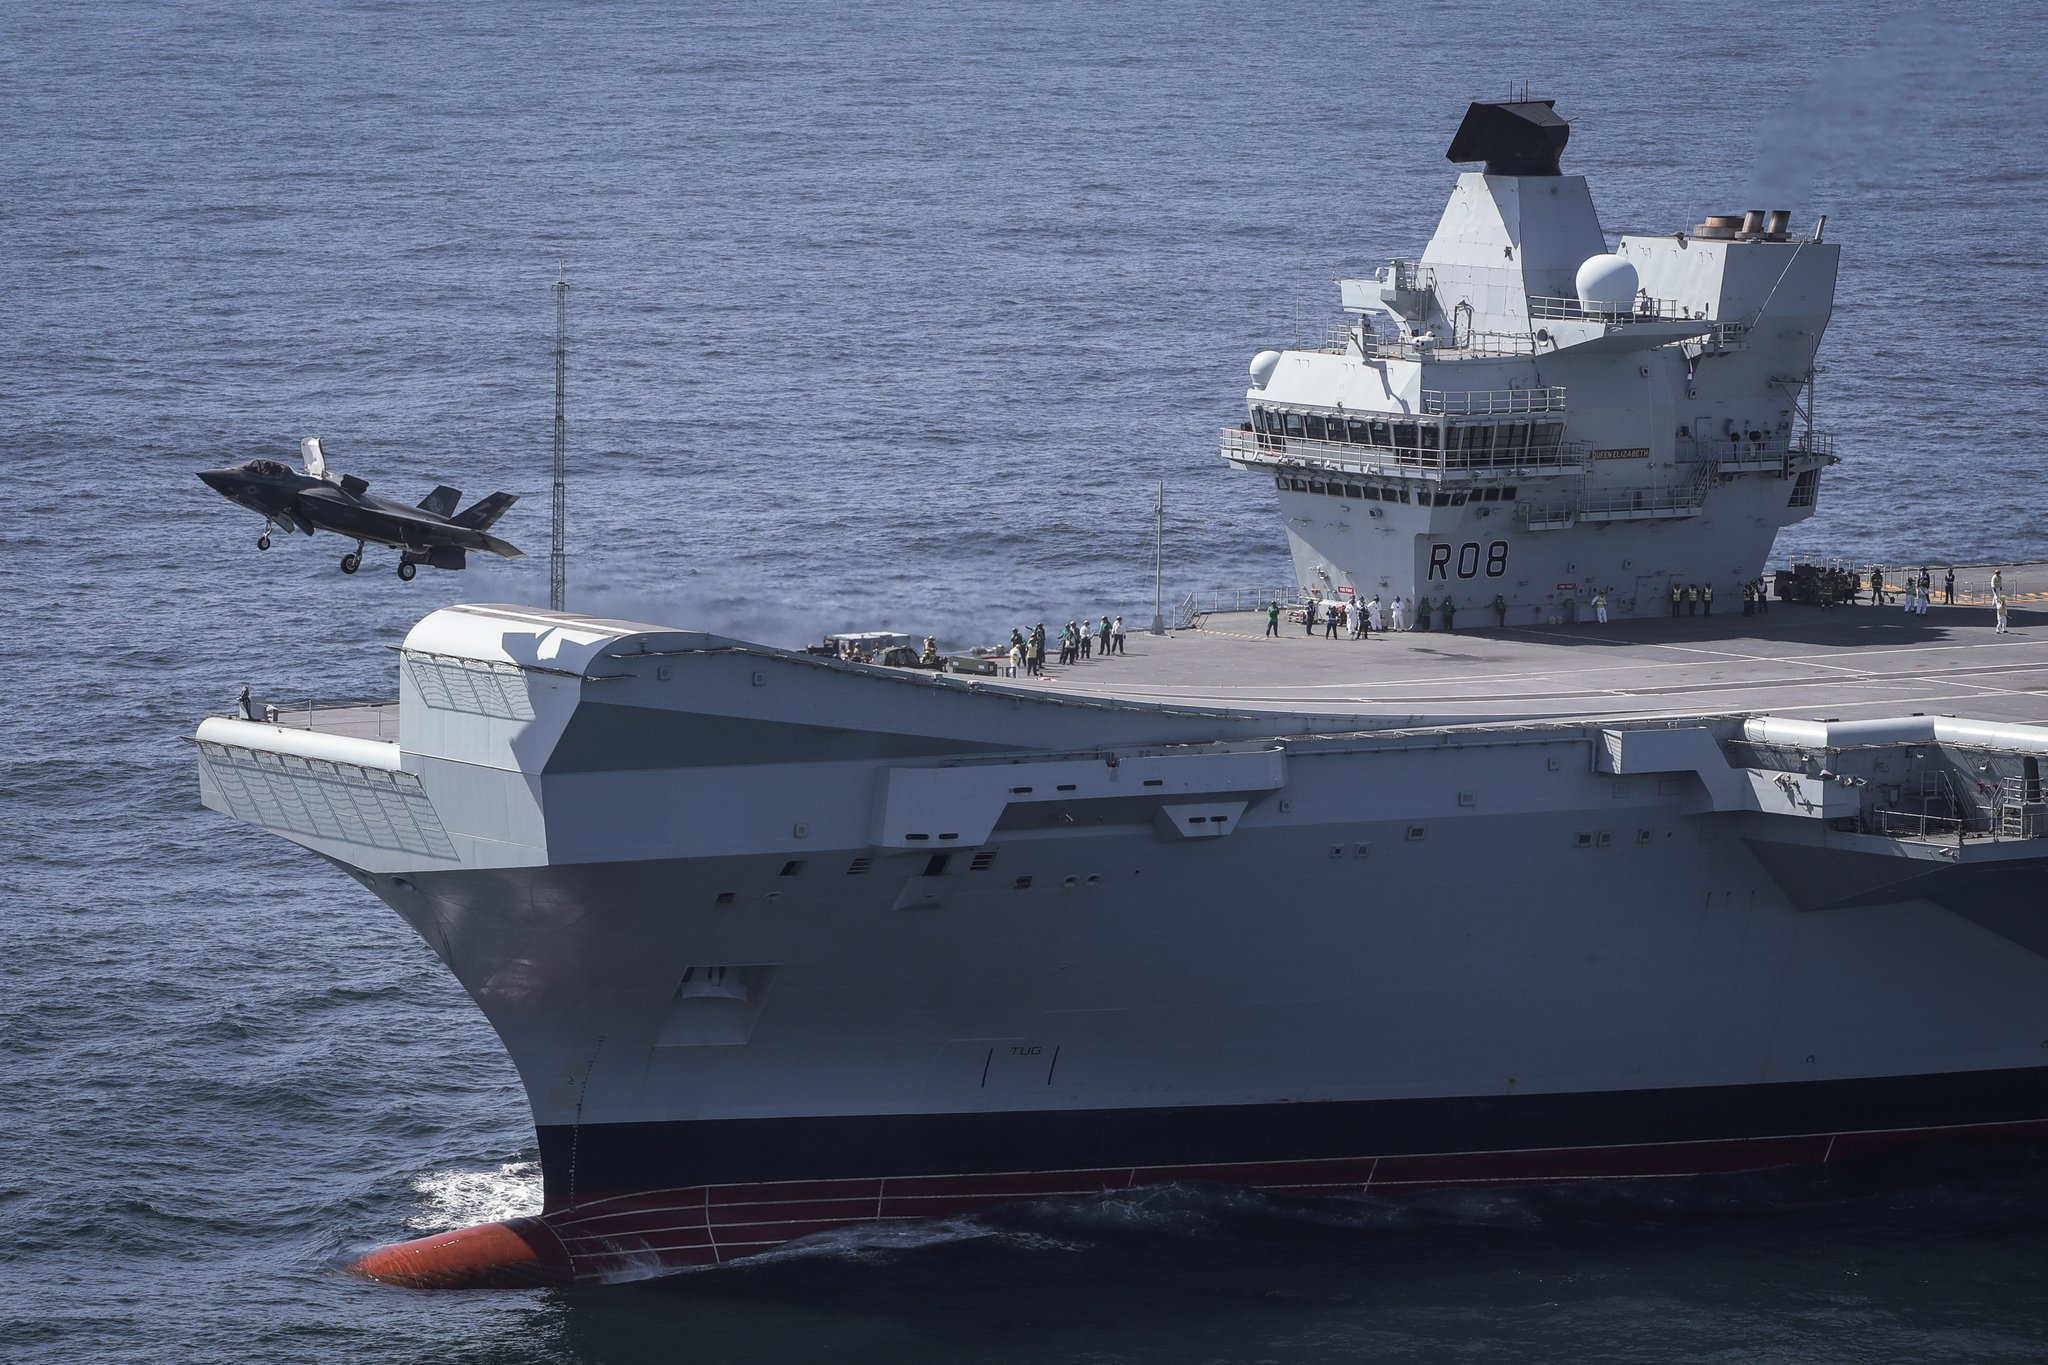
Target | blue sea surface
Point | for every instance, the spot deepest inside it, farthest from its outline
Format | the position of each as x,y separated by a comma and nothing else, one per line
881,315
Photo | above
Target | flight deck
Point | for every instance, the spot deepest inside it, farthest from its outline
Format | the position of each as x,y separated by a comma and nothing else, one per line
1794,660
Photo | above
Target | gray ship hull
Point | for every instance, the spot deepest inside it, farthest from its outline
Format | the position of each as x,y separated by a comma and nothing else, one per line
751,955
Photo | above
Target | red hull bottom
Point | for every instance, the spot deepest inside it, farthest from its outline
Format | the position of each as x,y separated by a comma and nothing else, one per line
652,1231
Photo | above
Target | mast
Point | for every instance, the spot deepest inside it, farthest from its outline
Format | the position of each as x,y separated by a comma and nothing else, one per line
558,568
1158,558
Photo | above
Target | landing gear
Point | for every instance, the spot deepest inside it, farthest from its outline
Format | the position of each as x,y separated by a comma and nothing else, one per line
351,562
406,569
263,541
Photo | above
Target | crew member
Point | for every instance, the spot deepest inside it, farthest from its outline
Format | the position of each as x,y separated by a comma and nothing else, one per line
1273,618
1600,607
1677,593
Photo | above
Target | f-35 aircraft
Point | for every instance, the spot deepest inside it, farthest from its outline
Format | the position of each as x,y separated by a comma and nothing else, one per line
433,533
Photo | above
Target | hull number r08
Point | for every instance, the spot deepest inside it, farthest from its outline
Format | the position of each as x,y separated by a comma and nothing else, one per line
1471,560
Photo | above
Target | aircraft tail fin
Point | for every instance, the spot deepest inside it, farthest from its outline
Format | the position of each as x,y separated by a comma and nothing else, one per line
484,512
441,502
314,458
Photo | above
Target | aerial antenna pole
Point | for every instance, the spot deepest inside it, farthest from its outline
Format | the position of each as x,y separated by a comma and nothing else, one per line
558,565
1158,559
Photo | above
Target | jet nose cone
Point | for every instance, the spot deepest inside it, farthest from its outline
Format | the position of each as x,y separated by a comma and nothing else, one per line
219,480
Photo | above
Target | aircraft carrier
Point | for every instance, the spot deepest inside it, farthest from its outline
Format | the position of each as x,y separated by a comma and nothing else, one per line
781,943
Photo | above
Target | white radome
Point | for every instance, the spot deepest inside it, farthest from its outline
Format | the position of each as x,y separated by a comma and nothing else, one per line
1263,365
1608,283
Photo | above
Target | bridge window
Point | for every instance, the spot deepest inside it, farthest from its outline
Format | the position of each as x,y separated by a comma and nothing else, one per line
1293,420
1280,482
1404,435
1300,485
1352,490
1511,440
1315,485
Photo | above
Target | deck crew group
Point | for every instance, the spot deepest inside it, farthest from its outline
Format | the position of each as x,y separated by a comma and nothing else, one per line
1358,618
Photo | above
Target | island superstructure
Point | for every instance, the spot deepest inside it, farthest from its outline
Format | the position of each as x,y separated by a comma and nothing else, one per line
1520,380
781,944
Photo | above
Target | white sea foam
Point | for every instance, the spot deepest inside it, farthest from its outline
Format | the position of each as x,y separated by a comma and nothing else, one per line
463,1198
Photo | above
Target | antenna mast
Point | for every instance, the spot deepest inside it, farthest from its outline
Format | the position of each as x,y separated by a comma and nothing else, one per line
558,567
1158,558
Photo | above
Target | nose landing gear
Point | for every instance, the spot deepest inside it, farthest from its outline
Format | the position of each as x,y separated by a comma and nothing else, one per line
406,570
263,541
351,561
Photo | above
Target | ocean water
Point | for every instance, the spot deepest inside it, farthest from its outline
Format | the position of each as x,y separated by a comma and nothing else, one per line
880,315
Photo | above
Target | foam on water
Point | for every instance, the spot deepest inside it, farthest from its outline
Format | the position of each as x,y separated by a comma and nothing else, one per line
464,1197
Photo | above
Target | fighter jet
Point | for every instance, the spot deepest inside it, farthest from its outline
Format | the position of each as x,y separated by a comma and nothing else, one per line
433,533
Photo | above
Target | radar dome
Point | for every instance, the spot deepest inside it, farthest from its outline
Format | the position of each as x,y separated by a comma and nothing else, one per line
1263,365
1607,283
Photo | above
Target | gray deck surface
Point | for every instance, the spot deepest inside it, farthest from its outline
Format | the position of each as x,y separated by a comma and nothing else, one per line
1799,661
353,720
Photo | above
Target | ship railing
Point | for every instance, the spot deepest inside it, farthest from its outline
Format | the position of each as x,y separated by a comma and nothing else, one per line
1616,504
1642,309
1767,452
1465,346
354,717
1402,273
1932,810
1654,498
1729,336
2019,809
1258,447
1492,402
1197,605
